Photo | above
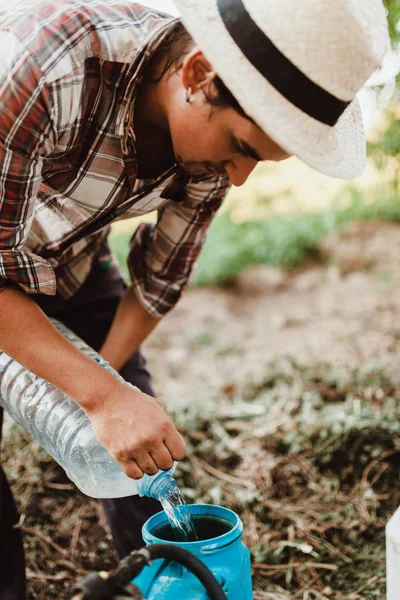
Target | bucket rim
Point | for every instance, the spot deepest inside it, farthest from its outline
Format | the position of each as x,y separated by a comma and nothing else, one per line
202,546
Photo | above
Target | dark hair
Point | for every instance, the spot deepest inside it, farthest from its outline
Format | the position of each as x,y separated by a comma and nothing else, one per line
174,47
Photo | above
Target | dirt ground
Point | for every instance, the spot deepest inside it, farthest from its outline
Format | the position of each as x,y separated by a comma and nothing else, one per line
344,312
214,344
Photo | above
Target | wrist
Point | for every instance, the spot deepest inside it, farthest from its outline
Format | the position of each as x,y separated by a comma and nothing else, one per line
93,387
130,327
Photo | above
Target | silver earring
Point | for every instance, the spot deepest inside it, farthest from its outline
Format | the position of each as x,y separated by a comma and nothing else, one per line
188,94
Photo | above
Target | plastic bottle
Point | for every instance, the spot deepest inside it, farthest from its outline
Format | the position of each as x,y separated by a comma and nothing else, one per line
64,430
393,557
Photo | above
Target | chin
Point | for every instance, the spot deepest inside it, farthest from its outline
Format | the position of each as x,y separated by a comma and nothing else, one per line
191,167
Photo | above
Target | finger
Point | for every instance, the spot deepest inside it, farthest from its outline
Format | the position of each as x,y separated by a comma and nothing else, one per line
176,445
162,457
132,469
146,463
162,405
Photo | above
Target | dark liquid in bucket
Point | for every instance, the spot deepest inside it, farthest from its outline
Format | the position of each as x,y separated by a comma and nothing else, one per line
207,528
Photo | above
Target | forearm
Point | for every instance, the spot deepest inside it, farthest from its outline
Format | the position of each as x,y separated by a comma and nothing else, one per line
27,335
131,325
133,427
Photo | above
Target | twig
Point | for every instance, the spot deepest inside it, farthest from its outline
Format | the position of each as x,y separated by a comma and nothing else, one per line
44,538
76,532
60,486
199,436
219,474
371,465
305,588
59,577
70,565
269,596
307,565
365,585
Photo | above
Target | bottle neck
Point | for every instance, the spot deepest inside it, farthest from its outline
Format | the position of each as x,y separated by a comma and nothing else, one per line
162,486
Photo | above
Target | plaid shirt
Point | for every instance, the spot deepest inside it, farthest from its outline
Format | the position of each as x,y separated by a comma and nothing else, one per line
69,74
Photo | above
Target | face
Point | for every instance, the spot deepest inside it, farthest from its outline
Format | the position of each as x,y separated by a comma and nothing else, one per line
219,140
208,139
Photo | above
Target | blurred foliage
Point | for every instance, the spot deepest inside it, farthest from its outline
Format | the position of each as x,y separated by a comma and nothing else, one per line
385,151
289,240
120,245
277,241
393,7
280,241
387,145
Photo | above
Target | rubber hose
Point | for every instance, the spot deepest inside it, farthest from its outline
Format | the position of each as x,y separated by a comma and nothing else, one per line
94,586
191,562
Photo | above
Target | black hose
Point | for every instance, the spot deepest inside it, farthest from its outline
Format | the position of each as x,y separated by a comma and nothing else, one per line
191,562
94,587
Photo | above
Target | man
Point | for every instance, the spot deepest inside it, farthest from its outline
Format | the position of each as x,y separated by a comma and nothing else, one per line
110,110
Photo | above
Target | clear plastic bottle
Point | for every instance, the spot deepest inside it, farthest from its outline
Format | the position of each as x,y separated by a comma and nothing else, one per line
63,429
393,557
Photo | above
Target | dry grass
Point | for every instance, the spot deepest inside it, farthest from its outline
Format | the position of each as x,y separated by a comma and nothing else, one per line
312,480
306,452
307,459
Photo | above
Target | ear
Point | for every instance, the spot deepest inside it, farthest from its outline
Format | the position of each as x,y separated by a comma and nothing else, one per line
197,72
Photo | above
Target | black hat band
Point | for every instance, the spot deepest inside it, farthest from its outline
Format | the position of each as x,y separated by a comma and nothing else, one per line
278,70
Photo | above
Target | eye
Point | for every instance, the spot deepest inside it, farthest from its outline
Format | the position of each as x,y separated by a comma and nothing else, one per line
235,146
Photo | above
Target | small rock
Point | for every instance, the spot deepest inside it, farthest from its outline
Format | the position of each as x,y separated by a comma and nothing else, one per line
308,280
261,279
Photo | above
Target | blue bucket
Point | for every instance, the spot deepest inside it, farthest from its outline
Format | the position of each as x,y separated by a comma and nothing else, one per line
220,547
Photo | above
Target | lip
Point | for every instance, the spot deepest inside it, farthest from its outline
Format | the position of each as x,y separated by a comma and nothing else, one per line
203,169
212,171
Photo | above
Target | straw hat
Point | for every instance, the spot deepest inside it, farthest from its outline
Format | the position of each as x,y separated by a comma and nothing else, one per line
295,67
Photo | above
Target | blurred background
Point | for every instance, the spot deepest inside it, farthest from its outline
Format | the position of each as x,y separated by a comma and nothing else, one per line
279,216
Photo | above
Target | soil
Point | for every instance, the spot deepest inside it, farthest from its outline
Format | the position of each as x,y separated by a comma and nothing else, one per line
345,311
209,348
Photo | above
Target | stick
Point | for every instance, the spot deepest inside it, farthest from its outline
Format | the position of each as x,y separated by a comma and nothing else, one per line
44,538
307,565
219,474
59,577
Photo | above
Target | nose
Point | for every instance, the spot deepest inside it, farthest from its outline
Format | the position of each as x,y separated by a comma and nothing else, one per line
239,170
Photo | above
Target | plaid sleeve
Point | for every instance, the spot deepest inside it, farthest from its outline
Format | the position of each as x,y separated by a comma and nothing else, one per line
162,256
26,136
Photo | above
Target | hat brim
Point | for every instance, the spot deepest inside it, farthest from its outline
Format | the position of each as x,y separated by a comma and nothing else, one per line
338,151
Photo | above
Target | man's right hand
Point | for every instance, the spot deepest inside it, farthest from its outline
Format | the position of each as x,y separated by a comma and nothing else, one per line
132,426
136,430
